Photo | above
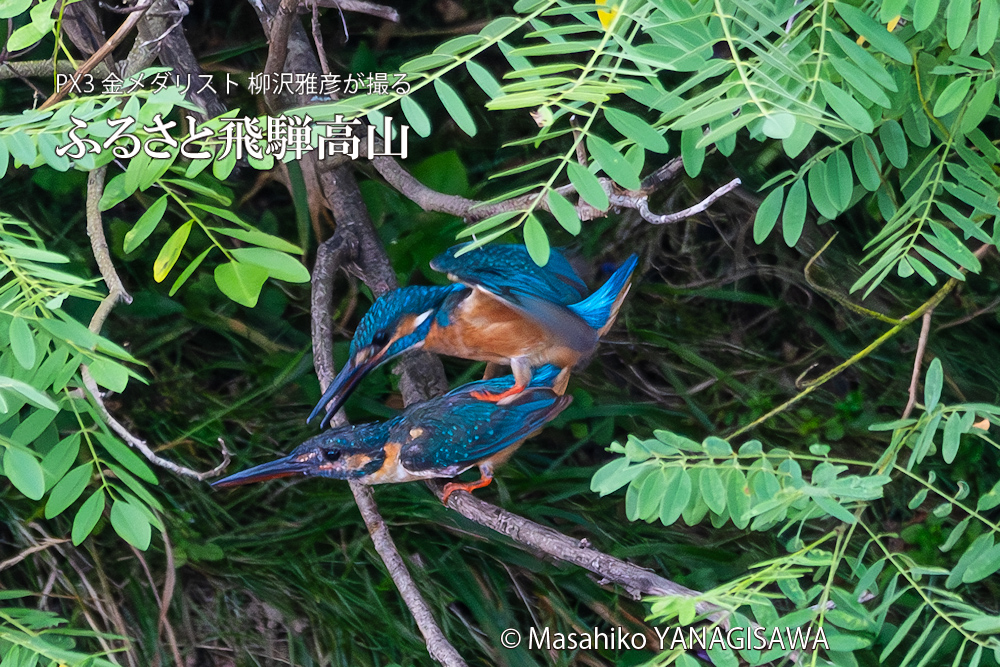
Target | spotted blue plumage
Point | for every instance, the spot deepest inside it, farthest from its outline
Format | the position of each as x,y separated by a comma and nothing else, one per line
385,314
444,435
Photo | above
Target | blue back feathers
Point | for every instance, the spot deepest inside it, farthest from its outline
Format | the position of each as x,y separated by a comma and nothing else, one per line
600,306
508,271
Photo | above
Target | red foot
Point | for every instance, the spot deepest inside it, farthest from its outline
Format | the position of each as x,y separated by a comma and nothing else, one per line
451,487
494,398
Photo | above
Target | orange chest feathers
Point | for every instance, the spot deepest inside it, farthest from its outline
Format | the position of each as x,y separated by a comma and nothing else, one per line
484,328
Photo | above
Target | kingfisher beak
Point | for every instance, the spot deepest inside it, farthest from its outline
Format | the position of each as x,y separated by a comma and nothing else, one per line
342,385
284,467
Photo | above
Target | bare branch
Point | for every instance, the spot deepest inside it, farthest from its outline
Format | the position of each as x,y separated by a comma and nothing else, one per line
918,360
356,6
116,293
99,55
641,204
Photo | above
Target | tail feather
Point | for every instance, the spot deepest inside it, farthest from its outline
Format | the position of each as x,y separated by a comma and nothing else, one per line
600,309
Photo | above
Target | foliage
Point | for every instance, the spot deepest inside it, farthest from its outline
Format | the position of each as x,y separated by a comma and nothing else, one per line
888,135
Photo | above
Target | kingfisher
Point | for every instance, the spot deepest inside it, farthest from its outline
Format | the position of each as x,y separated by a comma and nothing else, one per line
442,437
501,308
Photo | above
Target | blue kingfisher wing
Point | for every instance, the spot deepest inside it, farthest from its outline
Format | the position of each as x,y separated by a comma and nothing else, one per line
458,431
509,272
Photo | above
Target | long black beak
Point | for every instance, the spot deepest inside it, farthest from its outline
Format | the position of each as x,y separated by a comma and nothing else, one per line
284,467
342,386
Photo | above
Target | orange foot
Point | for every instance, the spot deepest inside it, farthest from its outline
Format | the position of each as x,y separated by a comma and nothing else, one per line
495,398
451,487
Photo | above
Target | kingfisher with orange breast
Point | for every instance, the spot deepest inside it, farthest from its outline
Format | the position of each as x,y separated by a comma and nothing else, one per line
502,308
442,437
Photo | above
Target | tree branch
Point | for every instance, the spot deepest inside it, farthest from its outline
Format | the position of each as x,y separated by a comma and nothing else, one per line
116,293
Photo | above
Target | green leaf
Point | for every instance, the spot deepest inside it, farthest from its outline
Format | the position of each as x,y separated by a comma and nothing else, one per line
894,143
952,437
87,516
613,163
613,476
109,374
979,106
485,80
952,96
818,193
880,38
867,163
28,393
712,489
865,61
989,625
863,83
986,34
778,125
797,142
24,472
959,16
22,342
171,251
416,116
933,382
588,186
794,216
131,524
924,13
115,192
277,264
145,225
767,214
259,238
636,129
240,282
847,107
536,241
692,154
955,534
191,268
455,106
839,180
68,489
676,496
833,508
564,212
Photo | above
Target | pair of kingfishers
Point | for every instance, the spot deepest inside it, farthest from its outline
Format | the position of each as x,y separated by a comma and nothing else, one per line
501,308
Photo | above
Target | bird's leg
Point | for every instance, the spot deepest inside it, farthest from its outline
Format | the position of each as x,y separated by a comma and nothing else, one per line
485,477
521,368
493,370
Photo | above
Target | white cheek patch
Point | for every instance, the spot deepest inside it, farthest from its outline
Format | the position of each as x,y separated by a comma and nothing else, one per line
421,318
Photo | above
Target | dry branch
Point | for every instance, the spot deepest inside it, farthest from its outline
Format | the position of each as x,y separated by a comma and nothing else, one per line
116,293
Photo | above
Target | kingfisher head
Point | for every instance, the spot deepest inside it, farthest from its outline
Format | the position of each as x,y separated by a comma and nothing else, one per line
348,452
398,321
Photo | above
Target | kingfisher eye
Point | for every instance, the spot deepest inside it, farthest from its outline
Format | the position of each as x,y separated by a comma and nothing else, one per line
333,454
380,339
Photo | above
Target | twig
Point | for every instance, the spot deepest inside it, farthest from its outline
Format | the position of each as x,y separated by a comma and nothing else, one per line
356,6
318,39
116,293
41,546
904,322
99,55
918,359
641,204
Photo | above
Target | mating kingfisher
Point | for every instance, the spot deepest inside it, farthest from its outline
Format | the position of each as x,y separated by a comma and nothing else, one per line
502,309
442,437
